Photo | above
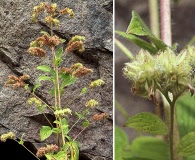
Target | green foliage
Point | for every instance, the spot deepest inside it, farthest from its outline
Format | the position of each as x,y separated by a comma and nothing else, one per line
138,41
147,122
44,68
74,150
150,148
121,143
186,146
44,78
137,27
67,80
45,132
137,32
35,87
146,82
185,112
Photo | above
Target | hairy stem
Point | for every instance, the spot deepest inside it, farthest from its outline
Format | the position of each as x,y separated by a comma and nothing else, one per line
154,17
165,9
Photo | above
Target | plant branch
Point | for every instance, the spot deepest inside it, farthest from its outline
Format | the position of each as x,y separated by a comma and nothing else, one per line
28,150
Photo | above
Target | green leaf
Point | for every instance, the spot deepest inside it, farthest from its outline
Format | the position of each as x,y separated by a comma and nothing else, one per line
86,123
56,130
147,122
44,68
186,146
80,116
48,156
26,87
141,43
124,49
68,138
56,122
21,142
61,155
138,27
65,126
149,148
35,87
185,111
45,132
43,78
121,142
74,150
57,61
84,90
59,52
44,32
68,79
63,40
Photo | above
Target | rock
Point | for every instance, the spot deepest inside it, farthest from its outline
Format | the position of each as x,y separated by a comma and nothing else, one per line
93,19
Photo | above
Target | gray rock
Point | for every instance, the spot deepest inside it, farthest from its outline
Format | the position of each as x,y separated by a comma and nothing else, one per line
93,19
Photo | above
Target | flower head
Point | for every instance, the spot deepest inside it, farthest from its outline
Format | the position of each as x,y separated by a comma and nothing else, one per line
165,72
44,150
17,82
62,112
91,103
9,135
97,83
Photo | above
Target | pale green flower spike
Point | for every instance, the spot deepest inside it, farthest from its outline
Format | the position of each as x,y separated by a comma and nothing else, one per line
35,101
91,103
9,135
97,83
62,112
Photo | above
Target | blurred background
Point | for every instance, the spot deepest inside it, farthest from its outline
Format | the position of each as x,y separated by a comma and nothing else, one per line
183,31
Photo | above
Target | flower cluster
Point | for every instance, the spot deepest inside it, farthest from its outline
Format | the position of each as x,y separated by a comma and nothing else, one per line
91,103
35,101
44,150
9,135
16,82
52,11
62,112
76,43
77,70
46,40
165,72
99,117
97,83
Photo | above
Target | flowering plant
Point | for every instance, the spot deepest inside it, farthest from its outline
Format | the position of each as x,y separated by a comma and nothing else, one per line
67,148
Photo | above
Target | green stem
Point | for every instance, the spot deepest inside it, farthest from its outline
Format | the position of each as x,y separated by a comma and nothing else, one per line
28,150
172,106
57,95
121,109
79,133
74,125
154,17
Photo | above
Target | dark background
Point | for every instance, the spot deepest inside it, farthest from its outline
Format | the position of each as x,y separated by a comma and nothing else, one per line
183,29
